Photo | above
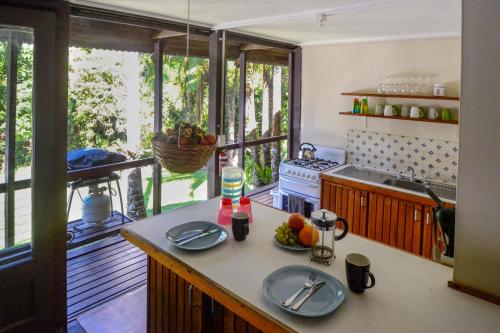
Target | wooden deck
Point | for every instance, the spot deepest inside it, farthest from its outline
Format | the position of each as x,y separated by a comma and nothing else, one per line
87,235
263,197
100,266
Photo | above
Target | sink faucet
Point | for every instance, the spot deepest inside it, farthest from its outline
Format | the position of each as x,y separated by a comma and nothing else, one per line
402,173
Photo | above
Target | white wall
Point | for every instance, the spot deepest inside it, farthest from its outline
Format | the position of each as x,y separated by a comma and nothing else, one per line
332,69
477,257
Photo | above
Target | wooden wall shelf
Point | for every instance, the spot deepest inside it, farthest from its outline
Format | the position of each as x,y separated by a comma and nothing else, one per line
372,94
438,121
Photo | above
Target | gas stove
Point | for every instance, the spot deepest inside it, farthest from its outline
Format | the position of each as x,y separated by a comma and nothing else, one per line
316,164
307,170
301,177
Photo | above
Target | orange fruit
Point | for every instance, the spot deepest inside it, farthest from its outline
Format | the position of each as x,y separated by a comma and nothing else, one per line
184,141
308,236
211,139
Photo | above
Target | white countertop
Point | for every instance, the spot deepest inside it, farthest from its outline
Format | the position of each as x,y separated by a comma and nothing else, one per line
333,173
410,295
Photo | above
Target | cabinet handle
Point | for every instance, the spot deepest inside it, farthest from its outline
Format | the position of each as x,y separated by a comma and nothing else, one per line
190,293
427,219
415,216
363,194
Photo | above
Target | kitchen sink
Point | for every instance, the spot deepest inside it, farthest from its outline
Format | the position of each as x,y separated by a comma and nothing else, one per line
373,176
416,186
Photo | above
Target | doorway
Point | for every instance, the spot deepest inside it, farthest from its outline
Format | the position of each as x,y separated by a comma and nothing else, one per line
33,125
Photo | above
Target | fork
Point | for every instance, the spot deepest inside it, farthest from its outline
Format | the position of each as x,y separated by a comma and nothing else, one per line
308,283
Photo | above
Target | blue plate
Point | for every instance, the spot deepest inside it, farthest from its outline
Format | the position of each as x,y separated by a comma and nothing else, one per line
194,227
297,247
284,282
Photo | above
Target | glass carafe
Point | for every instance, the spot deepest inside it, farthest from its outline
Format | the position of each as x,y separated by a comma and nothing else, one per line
323,235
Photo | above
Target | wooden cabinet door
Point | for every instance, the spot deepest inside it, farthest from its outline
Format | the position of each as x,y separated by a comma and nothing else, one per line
346,202
396,222
428,238
174,305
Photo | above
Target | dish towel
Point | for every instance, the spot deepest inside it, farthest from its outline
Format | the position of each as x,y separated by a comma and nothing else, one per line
296,204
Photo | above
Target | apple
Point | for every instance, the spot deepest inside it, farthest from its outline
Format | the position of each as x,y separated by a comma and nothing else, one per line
296,221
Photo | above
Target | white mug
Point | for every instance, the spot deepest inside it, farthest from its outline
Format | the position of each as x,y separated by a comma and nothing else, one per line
432,114
405,111
389,110
379,110
415,112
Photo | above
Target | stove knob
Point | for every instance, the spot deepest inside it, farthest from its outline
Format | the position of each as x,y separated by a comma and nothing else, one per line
308,176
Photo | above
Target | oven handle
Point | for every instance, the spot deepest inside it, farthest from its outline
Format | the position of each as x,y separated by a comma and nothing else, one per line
312,200
300,182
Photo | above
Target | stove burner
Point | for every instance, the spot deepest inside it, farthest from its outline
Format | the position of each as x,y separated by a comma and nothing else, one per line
314,164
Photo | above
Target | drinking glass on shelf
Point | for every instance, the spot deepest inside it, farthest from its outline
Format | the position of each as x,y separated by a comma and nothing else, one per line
405,87
420,82
428,85
394,84
413,86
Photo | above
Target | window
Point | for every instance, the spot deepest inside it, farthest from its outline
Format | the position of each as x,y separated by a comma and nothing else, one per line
262,106
112,99
16,57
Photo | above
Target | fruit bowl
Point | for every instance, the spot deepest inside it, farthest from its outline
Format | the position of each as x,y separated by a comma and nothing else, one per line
296,234
296,247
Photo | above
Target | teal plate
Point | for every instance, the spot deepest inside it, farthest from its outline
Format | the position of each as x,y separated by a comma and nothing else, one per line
284,282
195,227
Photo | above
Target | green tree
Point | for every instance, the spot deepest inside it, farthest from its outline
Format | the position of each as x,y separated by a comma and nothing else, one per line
179,89
24,90
96,95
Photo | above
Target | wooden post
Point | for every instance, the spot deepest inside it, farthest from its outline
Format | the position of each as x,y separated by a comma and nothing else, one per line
294,101
158,109
216,63
242,109
10,140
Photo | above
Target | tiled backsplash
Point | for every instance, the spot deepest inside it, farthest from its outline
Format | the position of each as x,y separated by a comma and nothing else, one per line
437,159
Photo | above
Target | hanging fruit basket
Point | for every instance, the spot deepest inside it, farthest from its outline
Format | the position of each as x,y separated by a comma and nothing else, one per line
185,149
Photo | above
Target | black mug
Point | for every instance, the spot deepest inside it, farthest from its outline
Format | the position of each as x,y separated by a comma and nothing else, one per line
240,224
357,267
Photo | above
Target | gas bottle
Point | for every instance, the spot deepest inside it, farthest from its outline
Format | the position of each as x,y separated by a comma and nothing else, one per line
96,206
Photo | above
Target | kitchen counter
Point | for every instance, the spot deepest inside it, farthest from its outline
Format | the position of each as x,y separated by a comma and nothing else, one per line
410,295
446,193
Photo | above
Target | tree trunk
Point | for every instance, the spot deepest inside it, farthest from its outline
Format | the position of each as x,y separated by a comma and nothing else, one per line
231,91
251,123
135,196
267,111
200,96
276,150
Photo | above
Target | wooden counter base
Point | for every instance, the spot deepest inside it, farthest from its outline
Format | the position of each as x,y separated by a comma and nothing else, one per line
182,300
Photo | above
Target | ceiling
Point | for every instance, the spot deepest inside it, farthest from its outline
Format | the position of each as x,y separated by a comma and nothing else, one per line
297,21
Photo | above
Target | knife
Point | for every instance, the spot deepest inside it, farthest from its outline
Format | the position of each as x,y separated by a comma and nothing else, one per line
180,239
204,234
315,288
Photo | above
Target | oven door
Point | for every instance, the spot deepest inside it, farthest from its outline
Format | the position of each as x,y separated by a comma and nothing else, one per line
299,186
310,204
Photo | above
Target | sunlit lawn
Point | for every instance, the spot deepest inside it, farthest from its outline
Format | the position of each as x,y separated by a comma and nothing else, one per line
178,190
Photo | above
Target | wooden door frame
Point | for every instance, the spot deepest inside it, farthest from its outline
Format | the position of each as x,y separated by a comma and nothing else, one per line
45,270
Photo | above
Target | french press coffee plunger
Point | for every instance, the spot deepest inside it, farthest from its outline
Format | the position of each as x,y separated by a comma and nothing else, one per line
324,236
